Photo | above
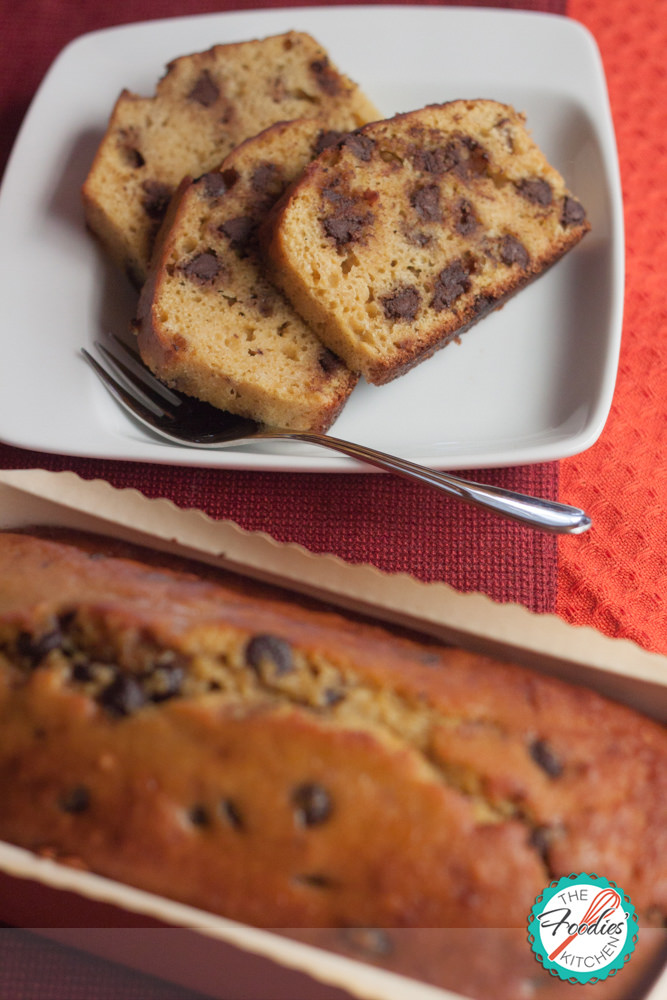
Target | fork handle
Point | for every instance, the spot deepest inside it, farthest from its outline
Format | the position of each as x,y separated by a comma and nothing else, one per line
545,515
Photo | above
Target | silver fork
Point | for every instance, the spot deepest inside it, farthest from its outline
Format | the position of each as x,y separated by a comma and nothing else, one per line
187,422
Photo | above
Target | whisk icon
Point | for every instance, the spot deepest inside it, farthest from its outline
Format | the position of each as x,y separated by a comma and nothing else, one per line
605,901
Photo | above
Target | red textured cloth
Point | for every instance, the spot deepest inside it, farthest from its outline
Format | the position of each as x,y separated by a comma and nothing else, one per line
615,578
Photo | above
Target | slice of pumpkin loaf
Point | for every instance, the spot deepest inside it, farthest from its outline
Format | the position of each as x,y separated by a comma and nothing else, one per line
413,228
210,323
204,105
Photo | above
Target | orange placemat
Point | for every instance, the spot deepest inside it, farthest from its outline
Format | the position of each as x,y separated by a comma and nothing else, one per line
615,578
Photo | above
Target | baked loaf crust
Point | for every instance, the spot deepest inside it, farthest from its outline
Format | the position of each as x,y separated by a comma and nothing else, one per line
204,105
209,322
286,766
414,228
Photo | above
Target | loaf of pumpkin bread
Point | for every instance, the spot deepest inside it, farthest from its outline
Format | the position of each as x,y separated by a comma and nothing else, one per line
237,749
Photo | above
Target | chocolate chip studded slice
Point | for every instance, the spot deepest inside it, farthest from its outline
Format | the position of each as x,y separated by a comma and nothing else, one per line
234,341
312,804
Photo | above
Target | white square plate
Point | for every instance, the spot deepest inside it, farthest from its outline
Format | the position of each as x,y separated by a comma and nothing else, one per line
532,382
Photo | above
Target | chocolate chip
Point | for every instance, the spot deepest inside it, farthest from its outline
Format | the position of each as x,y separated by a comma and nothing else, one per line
332,696
156,200
545,756
476,159
418,238
401,305
82,671
426,203
438,160
462,154
482,304
267,179
346,225
230,177
312,804
540,839
573,212
361,146
213,184
198,815
465,220
128,140
269,653
535,190
123,696
512,251
336,196
202,268
327,79
326,140
76,801
452,282
35,648
315,880
370,941
231,814
328,361
239,230
133,157
504,127
205,91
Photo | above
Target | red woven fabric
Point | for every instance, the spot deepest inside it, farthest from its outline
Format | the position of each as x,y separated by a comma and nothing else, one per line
369,518
615,578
